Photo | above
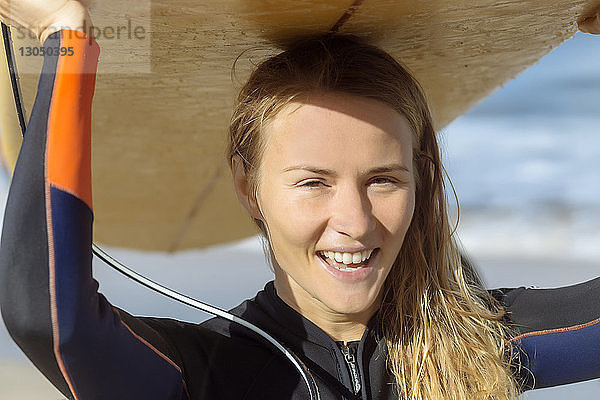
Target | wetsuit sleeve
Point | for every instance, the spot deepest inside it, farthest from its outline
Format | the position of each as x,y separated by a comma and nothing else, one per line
49,300
556,333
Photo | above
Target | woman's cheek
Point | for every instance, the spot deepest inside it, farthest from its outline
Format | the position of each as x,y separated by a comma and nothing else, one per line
393,214
297,219
308,218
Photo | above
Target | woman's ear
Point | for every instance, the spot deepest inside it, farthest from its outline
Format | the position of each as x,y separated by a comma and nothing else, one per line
242,188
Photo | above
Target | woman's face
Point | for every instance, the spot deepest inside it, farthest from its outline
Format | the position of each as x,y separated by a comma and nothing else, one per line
336,183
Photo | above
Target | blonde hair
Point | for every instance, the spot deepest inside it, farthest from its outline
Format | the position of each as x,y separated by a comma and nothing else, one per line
443,331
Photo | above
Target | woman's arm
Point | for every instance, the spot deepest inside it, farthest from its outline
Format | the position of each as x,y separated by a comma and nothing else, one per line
48,298
557,332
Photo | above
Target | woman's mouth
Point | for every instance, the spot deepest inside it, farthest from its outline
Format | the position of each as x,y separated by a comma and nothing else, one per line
348,266
347,261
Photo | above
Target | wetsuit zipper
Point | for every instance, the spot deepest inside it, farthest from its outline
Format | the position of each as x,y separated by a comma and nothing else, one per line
349,353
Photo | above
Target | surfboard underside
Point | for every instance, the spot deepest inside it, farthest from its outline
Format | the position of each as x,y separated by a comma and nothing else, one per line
164,98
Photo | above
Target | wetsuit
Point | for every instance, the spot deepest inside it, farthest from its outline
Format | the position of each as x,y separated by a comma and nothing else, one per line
90,349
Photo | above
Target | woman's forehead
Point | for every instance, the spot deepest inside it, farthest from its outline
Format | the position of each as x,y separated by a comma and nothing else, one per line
338,129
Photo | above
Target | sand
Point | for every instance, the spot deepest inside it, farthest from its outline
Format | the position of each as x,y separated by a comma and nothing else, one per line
20,380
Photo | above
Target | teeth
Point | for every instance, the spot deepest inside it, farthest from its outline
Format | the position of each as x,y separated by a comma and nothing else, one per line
348,268
348,258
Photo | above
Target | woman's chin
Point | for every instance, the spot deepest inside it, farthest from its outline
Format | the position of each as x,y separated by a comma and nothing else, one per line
351,303
345,293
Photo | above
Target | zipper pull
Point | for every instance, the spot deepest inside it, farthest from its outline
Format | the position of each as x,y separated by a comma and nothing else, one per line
350,358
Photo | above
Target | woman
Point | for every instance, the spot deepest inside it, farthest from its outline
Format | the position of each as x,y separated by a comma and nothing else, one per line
334,156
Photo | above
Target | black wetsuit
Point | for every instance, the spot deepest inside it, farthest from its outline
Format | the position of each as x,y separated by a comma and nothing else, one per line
90,349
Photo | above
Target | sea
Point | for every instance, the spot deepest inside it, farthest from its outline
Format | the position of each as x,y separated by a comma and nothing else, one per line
525,168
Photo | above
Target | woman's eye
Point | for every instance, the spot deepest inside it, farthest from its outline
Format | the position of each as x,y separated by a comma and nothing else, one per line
383,180
311,184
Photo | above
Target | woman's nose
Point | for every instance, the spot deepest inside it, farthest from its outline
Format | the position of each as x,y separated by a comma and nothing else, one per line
352,212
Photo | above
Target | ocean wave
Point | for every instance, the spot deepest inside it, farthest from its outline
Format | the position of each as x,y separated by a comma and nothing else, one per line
546,232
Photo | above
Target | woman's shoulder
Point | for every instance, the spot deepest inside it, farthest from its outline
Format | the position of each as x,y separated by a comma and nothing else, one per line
214,352
212,332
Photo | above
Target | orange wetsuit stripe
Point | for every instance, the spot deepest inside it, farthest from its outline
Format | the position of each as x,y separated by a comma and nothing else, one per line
69,119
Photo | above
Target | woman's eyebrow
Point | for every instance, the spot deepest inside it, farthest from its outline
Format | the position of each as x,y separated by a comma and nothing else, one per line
320,171
389,168
329,172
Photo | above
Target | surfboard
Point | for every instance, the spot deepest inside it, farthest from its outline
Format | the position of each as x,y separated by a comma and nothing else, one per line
165,90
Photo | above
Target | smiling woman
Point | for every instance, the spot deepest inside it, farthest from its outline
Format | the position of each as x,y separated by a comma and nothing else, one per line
345,200
335,158
333,154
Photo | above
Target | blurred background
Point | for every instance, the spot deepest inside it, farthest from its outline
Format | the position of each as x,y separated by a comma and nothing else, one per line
525,164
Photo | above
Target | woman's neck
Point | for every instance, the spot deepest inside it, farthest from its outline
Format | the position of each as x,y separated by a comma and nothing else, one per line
339,326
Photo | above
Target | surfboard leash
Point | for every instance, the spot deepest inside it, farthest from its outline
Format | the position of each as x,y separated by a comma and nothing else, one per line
14,75
131,274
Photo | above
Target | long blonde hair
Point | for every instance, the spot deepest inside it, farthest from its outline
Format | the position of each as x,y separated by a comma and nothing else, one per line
444,333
